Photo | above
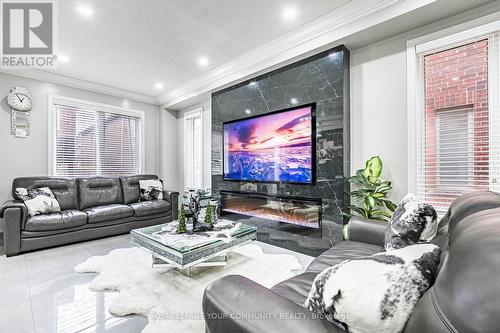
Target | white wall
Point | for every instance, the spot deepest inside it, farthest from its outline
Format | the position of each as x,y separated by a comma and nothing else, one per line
378,109
29,156
207,138
169,150
378,102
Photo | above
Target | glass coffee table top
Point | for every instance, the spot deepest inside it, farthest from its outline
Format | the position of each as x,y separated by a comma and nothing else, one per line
191,251
166,235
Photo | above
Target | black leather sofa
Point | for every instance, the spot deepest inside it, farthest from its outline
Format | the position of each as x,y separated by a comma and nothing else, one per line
90,208
464,298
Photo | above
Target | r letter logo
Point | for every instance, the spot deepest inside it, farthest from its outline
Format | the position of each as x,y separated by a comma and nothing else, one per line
28,29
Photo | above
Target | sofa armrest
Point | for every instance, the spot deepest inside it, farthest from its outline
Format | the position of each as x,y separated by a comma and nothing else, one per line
173,198
14,213
365,230
235,304
13,204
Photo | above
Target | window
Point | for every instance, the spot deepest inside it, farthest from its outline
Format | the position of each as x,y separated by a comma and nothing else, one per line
193,160
90,139
454,156
456,142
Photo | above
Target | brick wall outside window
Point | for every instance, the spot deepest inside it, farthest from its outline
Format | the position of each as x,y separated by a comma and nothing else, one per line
456,79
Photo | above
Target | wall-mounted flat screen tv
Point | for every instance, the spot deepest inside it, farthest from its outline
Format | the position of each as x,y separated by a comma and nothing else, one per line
276,147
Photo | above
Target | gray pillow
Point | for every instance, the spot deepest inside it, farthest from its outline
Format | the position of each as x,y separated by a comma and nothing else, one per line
151,189
376,293
38,200
412,222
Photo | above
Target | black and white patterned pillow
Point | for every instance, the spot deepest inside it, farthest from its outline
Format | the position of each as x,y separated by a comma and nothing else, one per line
411,223
375,293
38,200
151,189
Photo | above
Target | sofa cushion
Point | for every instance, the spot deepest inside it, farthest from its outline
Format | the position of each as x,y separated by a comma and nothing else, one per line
469,204
296,289
55,221
108,213
151,189
375,293
342,251
99,191
412,222
39,200
144,208
65,189
130,187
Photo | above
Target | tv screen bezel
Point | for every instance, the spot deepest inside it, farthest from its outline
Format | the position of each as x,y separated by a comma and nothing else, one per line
313,146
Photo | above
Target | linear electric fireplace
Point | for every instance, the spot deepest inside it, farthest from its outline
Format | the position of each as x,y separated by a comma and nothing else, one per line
299,211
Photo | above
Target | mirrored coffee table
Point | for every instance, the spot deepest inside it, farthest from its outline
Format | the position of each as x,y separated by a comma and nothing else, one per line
191,253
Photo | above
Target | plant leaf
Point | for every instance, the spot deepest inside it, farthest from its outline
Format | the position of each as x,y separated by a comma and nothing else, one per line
373,169
382,213
390,205
370,201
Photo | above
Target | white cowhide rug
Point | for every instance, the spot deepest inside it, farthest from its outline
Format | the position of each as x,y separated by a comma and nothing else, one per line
170,300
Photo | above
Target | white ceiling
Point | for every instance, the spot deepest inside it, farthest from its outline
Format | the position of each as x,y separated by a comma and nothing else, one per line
132,44
127,46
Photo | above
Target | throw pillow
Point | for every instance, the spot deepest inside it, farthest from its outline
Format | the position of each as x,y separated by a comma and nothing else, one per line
38,200
411,222
151,189
375,293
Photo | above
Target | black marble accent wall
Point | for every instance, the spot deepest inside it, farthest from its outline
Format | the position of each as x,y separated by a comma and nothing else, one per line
323,79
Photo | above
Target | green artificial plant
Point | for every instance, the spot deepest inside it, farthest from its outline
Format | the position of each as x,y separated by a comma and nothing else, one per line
209,214
181,228
370,193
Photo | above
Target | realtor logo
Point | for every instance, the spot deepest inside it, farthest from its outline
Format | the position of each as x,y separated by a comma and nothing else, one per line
28,32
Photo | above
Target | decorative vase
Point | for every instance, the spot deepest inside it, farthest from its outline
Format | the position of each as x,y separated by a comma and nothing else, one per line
194,210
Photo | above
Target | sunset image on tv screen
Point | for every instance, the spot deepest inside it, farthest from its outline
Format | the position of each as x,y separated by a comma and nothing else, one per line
270,148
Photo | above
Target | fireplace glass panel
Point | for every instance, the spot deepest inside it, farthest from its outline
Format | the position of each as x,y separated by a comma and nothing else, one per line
304,212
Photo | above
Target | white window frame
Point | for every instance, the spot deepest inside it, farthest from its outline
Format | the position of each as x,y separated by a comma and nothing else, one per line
188,116
55,100
444,39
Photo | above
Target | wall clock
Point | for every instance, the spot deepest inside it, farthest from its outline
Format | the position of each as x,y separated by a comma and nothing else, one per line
20,102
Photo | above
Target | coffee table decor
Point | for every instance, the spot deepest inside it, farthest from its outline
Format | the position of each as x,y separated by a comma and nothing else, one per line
198,203
189,250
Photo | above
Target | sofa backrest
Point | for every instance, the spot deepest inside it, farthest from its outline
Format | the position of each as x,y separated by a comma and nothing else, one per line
130,186
65,189
465,296
99,191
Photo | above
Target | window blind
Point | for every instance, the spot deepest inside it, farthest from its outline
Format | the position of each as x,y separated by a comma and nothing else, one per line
458,141
92,142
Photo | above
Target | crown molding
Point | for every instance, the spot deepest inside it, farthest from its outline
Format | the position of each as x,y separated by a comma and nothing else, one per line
346,20
80,84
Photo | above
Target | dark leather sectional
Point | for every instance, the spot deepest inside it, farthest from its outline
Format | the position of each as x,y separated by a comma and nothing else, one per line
90,208
464,298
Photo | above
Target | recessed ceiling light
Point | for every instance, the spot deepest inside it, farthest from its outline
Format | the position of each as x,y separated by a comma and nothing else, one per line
159,85
203,61
289,13
248,111
293,100
63,58
85,10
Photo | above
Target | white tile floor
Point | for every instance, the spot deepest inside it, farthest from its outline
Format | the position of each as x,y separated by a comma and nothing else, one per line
39,291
